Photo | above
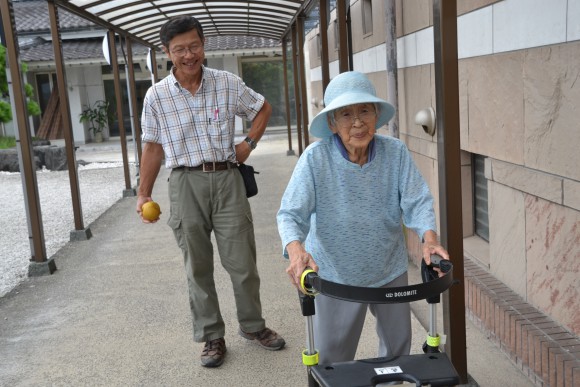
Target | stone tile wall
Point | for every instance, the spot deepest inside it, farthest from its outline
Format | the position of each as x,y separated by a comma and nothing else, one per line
519,109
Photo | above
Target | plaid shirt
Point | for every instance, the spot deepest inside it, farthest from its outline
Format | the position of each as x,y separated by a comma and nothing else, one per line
194,129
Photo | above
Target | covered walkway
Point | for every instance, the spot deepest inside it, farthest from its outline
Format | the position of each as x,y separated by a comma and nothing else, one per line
116,312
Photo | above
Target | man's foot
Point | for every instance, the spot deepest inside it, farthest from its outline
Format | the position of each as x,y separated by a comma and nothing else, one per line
266,338
213,353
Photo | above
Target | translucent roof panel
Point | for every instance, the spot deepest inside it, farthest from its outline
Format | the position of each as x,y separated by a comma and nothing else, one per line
263,18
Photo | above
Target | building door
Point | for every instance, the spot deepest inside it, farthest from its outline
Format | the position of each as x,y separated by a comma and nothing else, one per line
141,88
44,85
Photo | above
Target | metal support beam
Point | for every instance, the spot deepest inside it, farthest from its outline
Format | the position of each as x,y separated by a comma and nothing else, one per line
154,66
449,162
392,71
290,151
129,191
302,72
133,107
324,61
297,99
40,264
79,233
343,55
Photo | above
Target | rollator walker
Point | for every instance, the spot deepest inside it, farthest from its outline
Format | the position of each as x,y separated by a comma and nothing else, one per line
429,368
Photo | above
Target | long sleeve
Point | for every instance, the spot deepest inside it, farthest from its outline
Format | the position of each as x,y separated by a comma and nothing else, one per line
349,217
297,205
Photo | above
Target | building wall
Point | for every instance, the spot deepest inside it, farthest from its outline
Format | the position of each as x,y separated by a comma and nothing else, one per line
518,89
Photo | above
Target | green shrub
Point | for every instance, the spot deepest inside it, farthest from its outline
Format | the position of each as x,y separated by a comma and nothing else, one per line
7,142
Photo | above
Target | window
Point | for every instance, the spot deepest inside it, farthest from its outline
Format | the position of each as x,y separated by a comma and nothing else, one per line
267,78
336,39
45,84
480,216
367,14
318,46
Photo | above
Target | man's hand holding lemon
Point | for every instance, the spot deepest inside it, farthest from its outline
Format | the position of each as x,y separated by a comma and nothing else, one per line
148,209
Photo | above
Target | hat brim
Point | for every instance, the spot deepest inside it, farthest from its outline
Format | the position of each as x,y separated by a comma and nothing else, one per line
319,125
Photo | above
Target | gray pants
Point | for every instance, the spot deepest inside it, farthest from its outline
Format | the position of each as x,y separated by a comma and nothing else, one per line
338,325
205,202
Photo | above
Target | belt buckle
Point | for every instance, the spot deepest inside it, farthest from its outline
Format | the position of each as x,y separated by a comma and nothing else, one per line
207,165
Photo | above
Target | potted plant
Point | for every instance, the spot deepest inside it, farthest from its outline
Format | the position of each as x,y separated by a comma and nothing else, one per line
97,116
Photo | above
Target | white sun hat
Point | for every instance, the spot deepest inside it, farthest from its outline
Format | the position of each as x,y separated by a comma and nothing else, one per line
345,89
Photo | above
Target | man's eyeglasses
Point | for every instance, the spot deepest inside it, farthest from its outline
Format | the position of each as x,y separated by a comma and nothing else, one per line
193,49
347,117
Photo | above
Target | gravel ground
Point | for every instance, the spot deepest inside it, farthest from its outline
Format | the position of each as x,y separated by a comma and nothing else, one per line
101,185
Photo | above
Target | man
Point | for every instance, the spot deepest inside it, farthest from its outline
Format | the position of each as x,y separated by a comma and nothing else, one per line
189,119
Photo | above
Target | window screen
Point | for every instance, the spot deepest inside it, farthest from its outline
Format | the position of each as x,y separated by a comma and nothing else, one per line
481,218
367,12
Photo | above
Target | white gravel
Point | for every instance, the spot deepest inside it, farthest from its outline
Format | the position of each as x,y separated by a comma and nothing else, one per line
101,185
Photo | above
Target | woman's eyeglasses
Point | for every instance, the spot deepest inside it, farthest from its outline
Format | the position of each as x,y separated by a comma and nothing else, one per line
347,117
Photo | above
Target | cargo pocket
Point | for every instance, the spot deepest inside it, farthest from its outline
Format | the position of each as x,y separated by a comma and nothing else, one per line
175,224
246,223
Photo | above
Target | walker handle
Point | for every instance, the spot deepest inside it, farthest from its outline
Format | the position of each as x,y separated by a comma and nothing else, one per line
444,264
306,283
428,273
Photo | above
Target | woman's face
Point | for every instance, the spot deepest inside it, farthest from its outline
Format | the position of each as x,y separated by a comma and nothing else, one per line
187,53
355,124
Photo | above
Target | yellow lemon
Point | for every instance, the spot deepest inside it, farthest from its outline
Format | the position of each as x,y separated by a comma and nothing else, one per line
150,211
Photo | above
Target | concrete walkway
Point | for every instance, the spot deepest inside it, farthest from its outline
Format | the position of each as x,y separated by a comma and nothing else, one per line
116,311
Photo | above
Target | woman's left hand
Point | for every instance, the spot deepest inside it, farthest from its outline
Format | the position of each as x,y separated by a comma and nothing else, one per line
431,246
300,260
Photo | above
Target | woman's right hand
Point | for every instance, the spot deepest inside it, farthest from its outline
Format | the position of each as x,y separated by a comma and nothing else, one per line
300,260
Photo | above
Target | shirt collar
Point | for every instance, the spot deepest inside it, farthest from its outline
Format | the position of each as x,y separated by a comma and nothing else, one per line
176,83
344,152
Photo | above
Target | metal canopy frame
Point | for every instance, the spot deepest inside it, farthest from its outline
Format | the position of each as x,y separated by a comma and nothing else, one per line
141,20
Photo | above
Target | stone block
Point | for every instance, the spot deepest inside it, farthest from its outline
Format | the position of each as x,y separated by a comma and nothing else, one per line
553,261
572,194
416,98
551,109
495,106
51,157
507,230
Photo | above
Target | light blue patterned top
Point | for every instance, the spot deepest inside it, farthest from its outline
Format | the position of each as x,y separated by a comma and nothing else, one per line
350,217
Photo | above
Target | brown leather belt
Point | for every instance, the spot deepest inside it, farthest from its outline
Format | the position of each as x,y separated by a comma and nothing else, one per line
211,166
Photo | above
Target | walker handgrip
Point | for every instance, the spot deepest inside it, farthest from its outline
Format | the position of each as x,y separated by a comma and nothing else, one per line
443,264
429,274
306,281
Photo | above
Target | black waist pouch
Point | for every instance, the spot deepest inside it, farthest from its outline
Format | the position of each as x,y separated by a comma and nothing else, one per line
248,173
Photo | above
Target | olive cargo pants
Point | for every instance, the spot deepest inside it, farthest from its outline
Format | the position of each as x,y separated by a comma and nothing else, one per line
202,202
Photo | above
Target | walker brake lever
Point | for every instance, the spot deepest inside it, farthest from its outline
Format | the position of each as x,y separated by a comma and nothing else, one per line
438,262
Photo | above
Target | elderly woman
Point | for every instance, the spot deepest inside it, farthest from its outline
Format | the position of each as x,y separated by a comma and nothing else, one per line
343,212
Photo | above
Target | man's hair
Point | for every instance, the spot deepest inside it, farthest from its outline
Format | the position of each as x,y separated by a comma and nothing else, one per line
179,25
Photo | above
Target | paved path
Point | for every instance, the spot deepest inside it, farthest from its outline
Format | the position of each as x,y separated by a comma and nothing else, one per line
116,311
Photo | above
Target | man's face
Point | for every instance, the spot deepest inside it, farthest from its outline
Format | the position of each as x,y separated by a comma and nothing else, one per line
187,53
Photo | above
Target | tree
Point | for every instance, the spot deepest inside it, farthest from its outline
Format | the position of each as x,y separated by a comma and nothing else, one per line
5,108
